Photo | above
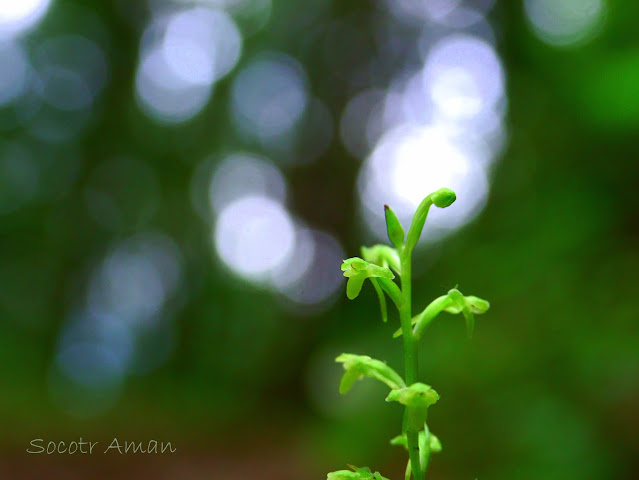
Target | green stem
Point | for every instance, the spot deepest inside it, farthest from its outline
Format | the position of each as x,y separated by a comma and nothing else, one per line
410,359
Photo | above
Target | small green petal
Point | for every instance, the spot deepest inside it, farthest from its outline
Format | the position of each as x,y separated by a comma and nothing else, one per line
377,271
435,444
354,286
470,321
348,379
477,305
343,475
357,474
417,395
399,441
382,255
355,263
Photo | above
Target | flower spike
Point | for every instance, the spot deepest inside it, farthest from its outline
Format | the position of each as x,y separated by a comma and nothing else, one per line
360,366
453,302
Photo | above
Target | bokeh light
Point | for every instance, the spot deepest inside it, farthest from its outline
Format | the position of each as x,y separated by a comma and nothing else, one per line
269,97
251,15
410,162
90,364
452,13
259,240
20,16
360,124
243,174
464,78
309,279
254,235
15,71
67,74
201,45
135,280
565,22
164,95
181,179
121,328
182,55
441,126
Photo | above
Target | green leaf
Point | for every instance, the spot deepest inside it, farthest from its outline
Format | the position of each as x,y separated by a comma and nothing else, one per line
394,228
360,366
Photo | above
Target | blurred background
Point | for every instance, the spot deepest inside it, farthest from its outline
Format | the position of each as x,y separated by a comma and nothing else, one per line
180,180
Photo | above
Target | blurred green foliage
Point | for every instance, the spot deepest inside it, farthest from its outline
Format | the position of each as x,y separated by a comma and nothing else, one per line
549,385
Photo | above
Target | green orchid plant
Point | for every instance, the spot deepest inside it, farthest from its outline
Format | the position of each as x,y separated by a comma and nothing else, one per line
381,264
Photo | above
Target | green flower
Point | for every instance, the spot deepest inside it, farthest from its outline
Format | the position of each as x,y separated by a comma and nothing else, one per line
357,474
427,442
358,270
418,397
453,302
360,366
382,256
468,306
434,444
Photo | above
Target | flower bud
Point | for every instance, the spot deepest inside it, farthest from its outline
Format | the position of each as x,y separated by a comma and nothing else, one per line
444,197
441,198
394,228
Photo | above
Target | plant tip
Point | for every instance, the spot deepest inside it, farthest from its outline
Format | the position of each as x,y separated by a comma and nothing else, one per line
444,197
